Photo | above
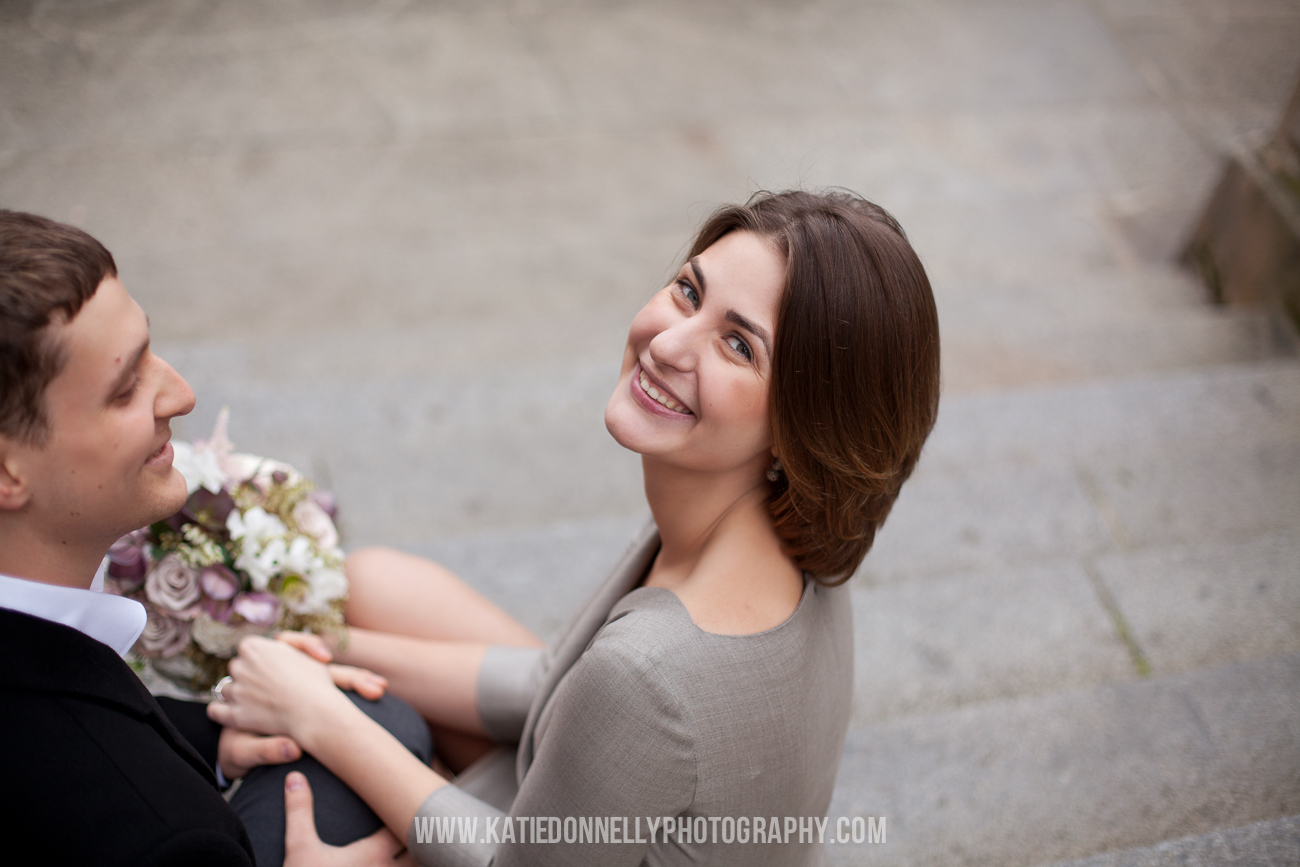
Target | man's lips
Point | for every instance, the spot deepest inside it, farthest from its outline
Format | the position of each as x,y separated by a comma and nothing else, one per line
164,454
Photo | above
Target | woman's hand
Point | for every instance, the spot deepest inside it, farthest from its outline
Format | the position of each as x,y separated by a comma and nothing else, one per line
277,690
303,847
238,751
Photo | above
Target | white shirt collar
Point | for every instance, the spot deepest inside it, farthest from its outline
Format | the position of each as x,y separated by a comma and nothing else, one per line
112,620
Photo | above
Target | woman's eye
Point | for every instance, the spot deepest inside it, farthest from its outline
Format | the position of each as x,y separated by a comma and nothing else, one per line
740,346
688,292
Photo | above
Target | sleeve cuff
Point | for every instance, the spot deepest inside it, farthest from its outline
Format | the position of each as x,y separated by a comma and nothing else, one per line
456,815
507,681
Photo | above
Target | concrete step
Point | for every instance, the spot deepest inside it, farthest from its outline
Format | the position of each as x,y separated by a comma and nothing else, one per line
1032,781
1262,844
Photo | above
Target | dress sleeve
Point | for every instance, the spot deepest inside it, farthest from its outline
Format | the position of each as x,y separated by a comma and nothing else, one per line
507,681
614,741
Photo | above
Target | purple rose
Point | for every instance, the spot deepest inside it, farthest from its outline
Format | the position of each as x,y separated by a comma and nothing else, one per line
218,610
173,586
163,636
260,609
126,560
219,583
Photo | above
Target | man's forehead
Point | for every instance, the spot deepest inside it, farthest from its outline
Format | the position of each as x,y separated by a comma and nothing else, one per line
104,337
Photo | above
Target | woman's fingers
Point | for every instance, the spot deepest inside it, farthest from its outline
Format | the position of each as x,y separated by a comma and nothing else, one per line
312,645
365,683
238,752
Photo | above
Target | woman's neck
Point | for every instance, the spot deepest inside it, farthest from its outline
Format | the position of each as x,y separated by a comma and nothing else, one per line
720,554
689,506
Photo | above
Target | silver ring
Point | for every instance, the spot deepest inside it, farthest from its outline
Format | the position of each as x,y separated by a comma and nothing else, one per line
219,686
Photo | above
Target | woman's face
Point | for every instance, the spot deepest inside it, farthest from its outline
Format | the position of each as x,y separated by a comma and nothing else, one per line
697,368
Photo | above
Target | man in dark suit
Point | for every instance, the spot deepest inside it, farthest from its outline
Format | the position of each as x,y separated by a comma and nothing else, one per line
94,771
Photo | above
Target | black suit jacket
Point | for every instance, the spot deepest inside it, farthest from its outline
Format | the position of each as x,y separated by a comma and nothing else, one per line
91,770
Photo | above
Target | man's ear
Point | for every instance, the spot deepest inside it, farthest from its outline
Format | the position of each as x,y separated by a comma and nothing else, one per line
14,492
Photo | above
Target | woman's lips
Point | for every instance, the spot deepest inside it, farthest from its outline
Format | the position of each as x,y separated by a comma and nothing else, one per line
656,399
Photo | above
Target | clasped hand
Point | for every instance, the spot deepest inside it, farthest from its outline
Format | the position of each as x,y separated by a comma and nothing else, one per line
278,685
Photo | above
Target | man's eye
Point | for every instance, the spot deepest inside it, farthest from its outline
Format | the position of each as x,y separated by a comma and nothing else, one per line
740,347
125,396
688,292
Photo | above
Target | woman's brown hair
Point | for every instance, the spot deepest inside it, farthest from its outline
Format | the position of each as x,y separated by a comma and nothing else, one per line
855,369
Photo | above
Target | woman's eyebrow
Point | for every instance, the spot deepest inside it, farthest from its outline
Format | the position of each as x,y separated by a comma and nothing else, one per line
752,328
699,275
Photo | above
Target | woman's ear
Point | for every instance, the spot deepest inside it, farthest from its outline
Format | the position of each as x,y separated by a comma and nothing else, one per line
14,493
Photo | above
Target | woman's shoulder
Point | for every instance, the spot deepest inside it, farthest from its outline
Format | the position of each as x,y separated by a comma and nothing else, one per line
652,627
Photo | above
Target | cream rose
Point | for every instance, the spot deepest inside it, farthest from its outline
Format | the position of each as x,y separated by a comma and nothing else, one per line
315,522
221,639
173,586
163,636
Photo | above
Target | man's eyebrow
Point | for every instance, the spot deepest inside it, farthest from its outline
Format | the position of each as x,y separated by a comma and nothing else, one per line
752,328
128,369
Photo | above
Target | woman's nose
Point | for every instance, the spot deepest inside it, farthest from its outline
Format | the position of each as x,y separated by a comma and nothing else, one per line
676,346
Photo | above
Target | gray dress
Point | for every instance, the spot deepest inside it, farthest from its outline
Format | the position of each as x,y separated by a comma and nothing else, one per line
636,713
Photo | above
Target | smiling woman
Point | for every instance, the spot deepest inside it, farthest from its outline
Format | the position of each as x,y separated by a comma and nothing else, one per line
779,391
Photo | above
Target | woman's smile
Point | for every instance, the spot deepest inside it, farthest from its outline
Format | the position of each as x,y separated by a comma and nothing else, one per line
694,384
660,398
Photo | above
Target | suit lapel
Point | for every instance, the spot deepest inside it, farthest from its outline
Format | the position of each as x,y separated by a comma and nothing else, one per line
564,652
43,656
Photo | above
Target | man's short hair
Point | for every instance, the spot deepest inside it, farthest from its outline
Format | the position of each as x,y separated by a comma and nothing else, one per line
47,271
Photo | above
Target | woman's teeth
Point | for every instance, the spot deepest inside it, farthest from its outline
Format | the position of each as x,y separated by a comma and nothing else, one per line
662,398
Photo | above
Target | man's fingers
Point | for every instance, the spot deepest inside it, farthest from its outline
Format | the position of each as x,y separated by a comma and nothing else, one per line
379,847
299,820
273,751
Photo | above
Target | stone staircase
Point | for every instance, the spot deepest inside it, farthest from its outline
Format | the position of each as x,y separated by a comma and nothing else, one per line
402,241
1079,632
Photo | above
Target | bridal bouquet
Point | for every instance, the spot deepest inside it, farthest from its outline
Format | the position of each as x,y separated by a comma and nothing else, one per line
254,550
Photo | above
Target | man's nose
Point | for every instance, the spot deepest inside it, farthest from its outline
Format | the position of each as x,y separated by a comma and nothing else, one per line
175,397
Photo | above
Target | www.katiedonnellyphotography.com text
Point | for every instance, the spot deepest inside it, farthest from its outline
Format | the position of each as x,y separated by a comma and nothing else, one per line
647,829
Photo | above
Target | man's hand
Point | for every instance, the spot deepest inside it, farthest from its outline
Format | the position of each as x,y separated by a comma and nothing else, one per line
238,752
303,847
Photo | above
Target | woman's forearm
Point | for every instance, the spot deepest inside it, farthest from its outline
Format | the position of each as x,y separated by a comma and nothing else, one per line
373,763
438,678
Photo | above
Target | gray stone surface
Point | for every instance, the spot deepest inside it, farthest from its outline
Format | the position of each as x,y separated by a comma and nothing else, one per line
1047,779
1262,844
402,240
930,645
1203,606
1089,469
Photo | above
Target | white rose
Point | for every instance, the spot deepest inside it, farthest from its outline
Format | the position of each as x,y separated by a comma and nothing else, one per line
314,521
264,565
323,587
255,524
173,586
201,468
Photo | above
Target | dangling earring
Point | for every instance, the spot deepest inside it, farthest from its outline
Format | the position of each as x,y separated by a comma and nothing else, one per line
774,471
